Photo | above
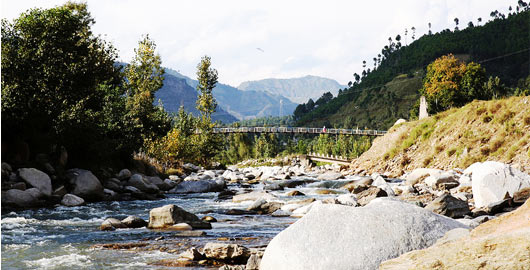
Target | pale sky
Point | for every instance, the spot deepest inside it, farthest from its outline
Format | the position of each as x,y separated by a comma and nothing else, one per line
251,40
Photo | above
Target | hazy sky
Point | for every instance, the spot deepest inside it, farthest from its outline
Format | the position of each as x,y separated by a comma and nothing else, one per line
250,40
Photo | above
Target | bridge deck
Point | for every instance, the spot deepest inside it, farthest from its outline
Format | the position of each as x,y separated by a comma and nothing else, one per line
300,130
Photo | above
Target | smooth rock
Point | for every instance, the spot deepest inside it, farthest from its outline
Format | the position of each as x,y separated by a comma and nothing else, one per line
124,174
419,174
364,197
35,192
37,179
494,181
253,196
442,181
209,219
168,215
281,213
134,222
110,224
273,186
226,252
113,184
383,229
140,182
347,199
330,176
295,193
450,206
302,211
19,198
86,185
157,181
72,200
180,227
199,186
131,189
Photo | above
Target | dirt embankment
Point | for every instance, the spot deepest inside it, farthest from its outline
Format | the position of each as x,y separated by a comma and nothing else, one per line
496,130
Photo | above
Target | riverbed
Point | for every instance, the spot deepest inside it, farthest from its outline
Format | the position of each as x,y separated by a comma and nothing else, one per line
68,237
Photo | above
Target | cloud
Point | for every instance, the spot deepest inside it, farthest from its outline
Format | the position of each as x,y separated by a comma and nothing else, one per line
329,39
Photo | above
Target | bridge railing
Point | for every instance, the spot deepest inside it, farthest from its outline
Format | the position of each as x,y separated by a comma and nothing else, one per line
299,130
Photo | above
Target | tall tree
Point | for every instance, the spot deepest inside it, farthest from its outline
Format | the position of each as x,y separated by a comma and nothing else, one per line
144,76
456,23
209,144
430,32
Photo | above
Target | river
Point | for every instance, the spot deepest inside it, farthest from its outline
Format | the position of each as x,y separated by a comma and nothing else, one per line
64,237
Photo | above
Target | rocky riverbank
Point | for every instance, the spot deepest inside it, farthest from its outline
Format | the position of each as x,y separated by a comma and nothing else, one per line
376,218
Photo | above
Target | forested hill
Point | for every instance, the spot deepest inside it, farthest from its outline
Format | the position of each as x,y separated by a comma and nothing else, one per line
501,46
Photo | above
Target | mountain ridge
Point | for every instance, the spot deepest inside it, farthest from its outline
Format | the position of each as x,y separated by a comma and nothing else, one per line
298,89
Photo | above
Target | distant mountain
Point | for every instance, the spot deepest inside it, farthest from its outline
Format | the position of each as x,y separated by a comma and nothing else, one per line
241,104
176,92
298,90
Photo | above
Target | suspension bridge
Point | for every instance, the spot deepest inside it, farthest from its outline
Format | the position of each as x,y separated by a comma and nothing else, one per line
299,130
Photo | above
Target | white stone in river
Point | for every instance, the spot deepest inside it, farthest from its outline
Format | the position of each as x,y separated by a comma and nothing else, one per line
337,237
494,181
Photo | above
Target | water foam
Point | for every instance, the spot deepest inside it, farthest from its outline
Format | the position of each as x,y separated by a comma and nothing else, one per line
68,260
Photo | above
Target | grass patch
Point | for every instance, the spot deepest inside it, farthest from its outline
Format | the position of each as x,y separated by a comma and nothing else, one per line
451,151
439,148
426,161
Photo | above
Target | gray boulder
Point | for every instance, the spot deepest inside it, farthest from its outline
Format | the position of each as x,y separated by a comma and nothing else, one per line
330,176
110,224
124,174
134,222
450,206
168,215
86,185
113,184
343,237
365,196
442,181
72,200
199,186
138,181
19,198
494,181
37,179
157,181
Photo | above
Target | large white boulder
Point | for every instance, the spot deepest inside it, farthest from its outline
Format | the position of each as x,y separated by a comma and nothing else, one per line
494,181
338,237
37,179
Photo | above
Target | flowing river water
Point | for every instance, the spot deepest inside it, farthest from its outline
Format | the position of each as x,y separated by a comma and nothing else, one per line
64,237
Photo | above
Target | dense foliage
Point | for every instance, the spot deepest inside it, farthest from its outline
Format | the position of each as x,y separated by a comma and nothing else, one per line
192,139
500,46
449,83
239,146
61,87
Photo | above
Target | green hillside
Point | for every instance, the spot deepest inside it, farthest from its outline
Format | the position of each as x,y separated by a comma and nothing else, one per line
501,46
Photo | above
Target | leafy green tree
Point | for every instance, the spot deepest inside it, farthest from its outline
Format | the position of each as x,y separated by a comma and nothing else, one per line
144,76
59,83
209,144
451,83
